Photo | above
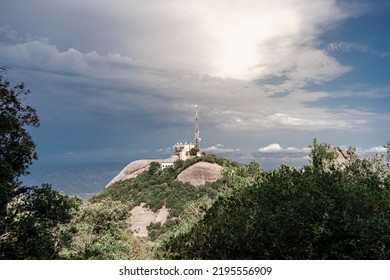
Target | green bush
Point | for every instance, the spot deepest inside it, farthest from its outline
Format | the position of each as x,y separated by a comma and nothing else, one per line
322,211
34,224
101,232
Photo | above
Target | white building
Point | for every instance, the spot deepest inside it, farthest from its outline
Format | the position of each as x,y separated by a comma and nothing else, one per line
166,164
182,151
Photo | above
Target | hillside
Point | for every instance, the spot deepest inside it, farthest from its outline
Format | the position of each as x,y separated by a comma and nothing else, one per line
158,196
132,170
197,174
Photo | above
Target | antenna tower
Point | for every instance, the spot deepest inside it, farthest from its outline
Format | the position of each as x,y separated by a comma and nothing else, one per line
197,138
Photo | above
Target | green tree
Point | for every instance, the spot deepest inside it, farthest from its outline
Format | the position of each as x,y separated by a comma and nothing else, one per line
31,218
387,146
17,149
16,145
194,151
6,186
363,169
322,156
102,232
34,224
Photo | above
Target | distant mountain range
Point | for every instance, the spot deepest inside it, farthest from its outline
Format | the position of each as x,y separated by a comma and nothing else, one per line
83,180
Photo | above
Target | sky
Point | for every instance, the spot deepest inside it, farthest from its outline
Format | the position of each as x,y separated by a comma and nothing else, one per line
118,80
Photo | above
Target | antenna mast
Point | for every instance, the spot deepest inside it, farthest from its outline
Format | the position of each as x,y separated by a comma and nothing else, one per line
197,138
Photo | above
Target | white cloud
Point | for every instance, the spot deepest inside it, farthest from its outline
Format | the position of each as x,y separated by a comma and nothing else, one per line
276,148
372,150
164,150
377,150
274,154
356,47
286,119
271,148
218,149
344,46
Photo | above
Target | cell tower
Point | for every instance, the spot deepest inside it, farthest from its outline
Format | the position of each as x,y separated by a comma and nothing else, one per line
197,138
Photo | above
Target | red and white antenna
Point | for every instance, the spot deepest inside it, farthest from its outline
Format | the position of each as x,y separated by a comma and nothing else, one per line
197,138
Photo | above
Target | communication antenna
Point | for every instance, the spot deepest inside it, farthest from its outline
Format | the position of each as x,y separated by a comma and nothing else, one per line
197,138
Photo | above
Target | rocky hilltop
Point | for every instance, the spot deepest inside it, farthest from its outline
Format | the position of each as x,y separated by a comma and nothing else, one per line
197,174
133,169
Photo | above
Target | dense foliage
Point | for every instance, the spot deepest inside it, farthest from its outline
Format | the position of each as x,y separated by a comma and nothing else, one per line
33,225
16,145
101,231
321,211
17,149
30,217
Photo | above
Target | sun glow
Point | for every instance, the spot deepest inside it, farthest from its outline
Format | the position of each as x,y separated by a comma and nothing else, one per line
240,40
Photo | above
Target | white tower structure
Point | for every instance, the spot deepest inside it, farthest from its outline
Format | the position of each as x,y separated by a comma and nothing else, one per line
197,134
183,150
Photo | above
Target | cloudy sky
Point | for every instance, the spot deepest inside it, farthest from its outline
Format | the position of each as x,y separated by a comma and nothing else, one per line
118,80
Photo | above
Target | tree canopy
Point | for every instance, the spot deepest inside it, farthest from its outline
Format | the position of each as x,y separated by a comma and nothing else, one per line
17,149
34,224
30,217
324,210
16,144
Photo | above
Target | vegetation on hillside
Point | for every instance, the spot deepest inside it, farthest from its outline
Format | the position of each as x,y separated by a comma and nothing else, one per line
157,187
101,232
34,224
324,210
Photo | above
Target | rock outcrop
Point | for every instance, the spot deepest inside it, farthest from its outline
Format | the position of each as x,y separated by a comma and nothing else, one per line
200,173
133,169
197,174
141,217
